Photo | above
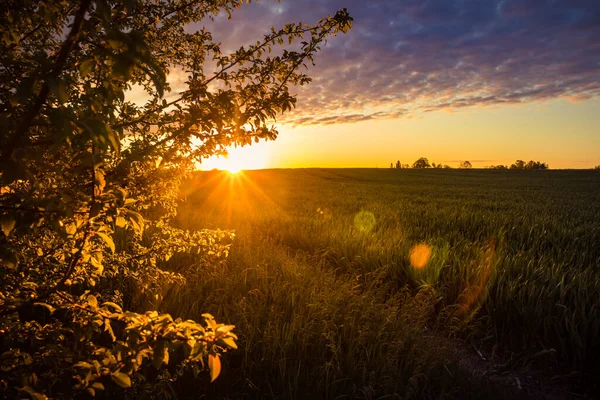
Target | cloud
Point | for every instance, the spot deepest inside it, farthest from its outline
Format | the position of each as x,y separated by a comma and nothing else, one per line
404,58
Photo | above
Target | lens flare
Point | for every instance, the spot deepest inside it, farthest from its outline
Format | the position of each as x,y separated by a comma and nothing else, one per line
365,221
420,255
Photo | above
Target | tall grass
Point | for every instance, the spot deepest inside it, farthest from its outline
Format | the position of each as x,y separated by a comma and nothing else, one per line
327,305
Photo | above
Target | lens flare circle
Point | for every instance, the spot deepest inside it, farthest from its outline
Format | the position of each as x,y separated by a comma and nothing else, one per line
420,255
365,221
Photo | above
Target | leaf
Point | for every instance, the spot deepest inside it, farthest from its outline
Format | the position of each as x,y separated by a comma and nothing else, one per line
229,342
214,364
120,222
33,394
9,258
197,350
71,229
108,328
121,379
98,386
47,306
108,240
101,134
113,305
8,223
96,263
86,67
113,139
161,354
136,219
58,89
83,364
92,301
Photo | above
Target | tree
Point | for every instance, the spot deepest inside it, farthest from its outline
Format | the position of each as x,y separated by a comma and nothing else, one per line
391,165
466,165
89,180
530,165
398,165
421,163
519,164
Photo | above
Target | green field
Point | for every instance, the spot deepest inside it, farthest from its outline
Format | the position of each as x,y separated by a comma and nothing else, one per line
360,282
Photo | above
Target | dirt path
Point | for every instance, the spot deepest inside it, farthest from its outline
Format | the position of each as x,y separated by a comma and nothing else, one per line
514,379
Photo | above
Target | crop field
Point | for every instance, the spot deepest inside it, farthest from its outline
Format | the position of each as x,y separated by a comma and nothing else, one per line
365,283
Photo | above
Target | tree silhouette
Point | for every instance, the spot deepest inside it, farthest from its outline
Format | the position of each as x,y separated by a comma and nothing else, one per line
90,180
466,165
530,165
519,164
421,163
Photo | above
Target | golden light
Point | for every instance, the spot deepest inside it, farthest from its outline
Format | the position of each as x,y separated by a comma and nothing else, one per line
255,156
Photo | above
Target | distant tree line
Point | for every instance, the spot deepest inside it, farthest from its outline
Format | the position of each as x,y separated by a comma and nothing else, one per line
520,164
423,163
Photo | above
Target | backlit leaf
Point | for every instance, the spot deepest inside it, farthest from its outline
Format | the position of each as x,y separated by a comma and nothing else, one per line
58,89
121,379
214,364
86,67
92,301
33,394
229,342
8,223
46,306
108,240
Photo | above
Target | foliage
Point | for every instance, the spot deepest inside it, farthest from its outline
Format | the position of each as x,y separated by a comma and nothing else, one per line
89,181
421,163
465,165
520,164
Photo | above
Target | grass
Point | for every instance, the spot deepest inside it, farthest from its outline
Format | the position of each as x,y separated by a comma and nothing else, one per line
345,283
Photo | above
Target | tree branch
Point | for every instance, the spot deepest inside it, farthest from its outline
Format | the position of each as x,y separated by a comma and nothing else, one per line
21,134
269,40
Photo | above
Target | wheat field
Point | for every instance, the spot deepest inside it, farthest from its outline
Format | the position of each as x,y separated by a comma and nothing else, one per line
352,283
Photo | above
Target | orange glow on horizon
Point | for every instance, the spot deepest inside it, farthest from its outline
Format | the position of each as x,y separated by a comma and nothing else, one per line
484,136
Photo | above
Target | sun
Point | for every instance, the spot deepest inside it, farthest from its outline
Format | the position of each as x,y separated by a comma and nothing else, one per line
255,156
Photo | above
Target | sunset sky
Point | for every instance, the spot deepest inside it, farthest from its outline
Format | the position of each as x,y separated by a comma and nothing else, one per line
482,80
